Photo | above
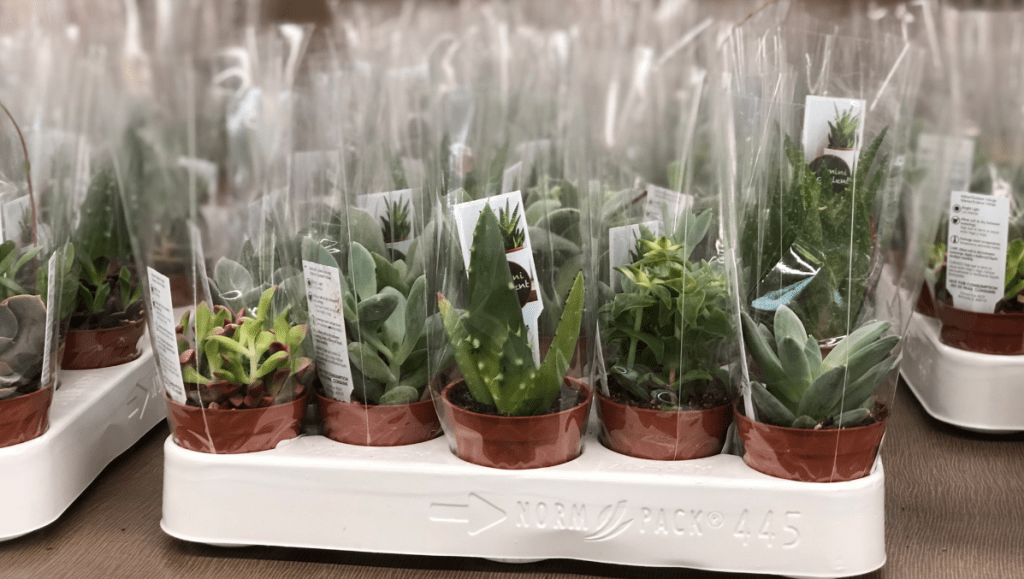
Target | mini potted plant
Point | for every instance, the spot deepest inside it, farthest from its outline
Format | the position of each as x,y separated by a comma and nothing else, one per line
1000,333
507,412
818,419
246,379
512,234
107,319
386,324
663,335
842,136
395,225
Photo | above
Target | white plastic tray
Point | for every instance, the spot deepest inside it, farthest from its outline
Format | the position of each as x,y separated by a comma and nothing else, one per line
713,513
95,416
977,392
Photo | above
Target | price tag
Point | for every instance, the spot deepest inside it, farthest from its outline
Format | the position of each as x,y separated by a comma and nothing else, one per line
164,335
976,250
327,324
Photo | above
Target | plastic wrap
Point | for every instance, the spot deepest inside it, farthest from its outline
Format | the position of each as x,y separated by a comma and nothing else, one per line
821,124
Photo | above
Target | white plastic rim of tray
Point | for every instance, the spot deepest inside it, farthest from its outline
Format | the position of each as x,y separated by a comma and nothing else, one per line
976,392
714,513
95,416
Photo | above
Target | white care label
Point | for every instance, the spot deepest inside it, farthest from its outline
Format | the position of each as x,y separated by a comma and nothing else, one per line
661,203
327,324
52,286
976,250
622,248
833,135
508,207
164,336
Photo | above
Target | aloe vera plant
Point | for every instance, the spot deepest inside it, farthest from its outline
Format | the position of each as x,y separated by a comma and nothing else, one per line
802,390
395,224
489,340
242,360
512,233
665,327
842,134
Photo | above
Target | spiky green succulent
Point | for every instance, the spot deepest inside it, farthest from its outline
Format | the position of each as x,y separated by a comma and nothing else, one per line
512,234
395,223
490,340
22,333
802,390
842,134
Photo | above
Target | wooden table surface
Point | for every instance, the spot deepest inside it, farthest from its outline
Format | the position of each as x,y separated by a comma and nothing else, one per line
954,508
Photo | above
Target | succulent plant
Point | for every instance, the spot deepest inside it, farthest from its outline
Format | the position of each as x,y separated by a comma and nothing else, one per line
512,234
843,133
22,336
387,323
490,340
1013,289
242,360
802,390
665,327
395,224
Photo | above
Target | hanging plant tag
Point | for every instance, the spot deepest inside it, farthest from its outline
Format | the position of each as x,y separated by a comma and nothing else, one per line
51,307
832,136
327,324
622,246
164,336
976,250
661,204
518,251
395,212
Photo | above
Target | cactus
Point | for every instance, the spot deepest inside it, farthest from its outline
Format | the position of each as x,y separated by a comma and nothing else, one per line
802,390
512,234
240,360
490,341
843,133
22,333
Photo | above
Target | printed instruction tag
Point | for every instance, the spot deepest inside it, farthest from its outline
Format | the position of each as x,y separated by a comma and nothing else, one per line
395,212
976,250
164,335
622,245
518,251
327,324
51,301
833,134
660,202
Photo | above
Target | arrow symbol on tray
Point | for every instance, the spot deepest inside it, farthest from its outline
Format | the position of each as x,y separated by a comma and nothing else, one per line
479,514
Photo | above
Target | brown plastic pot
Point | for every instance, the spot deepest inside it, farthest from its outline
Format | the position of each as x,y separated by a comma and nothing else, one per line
89,349
24,417
808,455
662,434
999,334
378,425
234,431
925,304
518,442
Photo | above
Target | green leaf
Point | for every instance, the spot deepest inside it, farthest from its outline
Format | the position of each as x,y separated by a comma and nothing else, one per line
365,359
364,271
767,361
852,343
823,394
556,362
374,310
769,409
366,231
852,417
389,275
400,395
788,325
415,319
544,241
230,276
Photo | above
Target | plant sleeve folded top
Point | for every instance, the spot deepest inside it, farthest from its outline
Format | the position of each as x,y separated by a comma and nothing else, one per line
242,360
490,340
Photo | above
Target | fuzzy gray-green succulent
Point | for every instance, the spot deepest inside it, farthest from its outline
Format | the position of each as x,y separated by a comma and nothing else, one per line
22,337
802,390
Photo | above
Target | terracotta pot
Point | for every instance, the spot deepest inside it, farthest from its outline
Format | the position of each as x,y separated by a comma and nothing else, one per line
518,442
232,431
381,425
662,434
999,334
807,455
925,305
88,349
24,417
